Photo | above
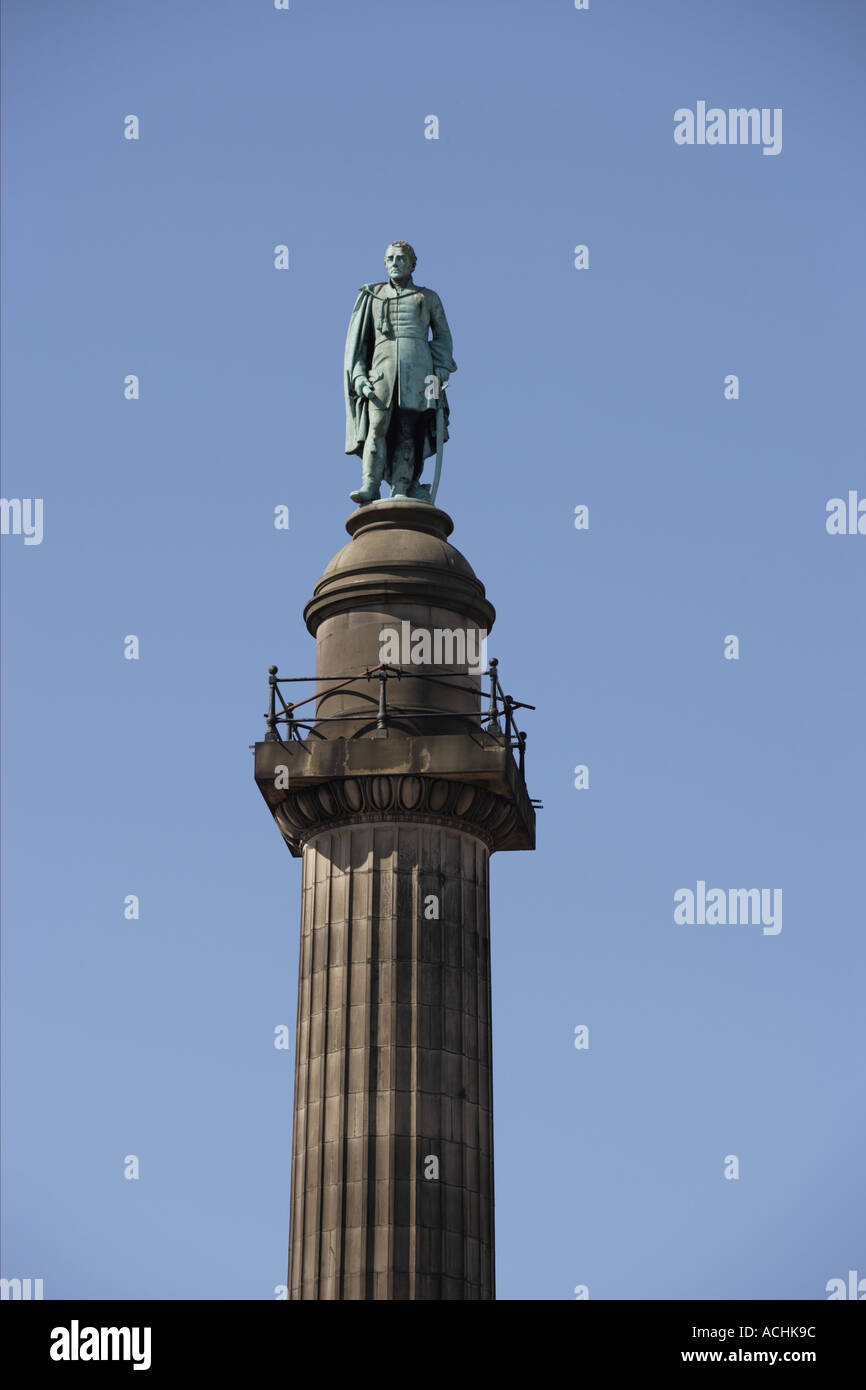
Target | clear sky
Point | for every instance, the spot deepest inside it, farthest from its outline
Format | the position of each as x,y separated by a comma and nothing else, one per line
602,387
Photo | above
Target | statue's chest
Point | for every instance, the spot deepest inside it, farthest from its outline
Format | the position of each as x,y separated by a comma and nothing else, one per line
408,316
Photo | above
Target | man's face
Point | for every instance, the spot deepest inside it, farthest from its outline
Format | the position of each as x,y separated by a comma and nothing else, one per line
397,263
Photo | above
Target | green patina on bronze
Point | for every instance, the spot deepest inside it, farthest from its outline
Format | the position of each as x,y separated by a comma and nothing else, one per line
397,364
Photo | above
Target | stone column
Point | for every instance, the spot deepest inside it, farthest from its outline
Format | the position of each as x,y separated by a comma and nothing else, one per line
392,1150
392,1165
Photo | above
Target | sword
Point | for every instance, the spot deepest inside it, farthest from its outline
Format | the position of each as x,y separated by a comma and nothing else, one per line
440,440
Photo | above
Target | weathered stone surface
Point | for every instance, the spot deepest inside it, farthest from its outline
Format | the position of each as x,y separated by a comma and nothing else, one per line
478,758
393,1044
409,1076
503,821
399,567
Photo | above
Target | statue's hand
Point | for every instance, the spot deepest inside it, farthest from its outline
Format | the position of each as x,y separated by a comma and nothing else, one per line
364,387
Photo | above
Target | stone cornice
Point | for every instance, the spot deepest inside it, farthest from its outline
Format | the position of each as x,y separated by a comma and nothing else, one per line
307,811
469,781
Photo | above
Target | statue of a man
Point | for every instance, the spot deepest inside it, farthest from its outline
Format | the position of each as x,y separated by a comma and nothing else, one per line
398,360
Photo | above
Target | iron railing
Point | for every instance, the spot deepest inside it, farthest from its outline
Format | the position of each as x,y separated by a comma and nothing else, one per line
498,720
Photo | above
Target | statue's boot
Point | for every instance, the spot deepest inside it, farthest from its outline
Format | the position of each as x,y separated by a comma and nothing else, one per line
371,479
367,492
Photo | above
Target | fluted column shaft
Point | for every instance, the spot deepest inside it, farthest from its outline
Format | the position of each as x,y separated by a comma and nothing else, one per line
392,1154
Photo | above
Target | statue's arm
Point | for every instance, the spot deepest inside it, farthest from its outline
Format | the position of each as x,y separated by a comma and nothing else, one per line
360,337
441,344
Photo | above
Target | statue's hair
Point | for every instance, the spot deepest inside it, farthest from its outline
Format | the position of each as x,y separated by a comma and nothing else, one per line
407,248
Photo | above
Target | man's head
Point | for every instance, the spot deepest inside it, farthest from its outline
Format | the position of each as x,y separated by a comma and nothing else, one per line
400,260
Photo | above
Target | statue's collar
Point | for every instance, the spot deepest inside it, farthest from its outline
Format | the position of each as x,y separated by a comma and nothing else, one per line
385,290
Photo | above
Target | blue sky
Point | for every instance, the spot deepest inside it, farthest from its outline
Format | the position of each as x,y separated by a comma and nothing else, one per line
601,387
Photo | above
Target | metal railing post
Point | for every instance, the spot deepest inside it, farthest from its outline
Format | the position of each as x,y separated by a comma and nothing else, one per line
381,717
492,723
271,716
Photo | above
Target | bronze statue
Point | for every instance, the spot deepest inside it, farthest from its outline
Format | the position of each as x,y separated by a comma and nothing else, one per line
397,364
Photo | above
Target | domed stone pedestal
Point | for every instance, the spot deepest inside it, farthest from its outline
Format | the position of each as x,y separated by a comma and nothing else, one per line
392,1155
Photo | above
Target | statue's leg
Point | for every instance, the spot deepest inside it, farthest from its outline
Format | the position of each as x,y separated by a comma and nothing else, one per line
375,455
404,463
411,455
